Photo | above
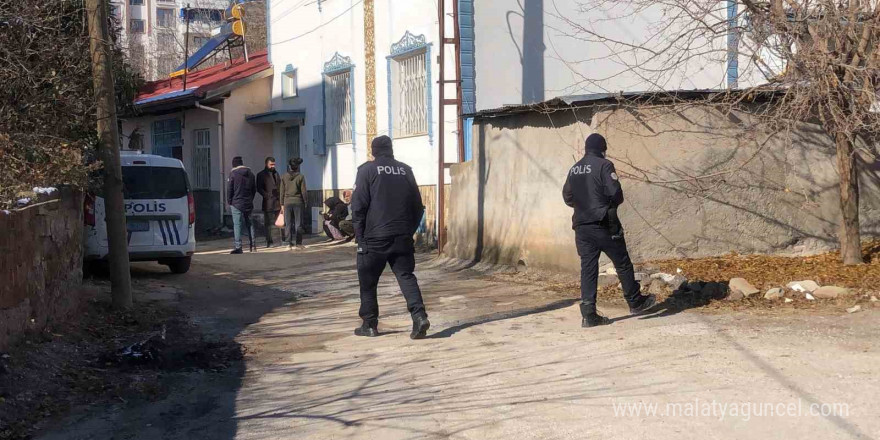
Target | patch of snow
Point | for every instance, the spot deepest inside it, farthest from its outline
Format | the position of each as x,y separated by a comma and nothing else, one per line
23,201
46,190
7,212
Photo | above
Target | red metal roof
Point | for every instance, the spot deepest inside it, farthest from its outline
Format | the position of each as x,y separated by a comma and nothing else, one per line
200,82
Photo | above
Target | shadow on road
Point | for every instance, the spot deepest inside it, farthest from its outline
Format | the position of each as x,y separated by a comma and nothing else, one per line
449,331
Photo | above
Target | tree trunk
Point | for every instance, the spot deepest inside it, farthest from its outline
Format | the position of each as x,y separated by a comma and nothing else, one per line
108,147
850,237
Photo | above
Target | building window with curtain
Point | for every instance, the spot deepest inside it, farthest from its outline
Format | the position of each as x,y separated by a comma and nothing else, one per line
338,105
201,168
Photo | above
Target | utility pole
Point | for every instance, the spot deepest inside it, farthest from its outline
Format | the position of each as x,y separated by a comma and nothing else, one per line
108,148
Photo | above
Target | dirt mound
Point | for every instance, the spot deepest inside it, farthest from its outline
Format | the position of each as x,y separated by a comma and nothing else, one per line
93,361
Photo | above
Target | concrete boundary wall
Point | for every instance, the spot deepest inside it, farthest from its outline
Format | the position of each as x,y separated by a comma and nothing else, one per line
40,264
695,185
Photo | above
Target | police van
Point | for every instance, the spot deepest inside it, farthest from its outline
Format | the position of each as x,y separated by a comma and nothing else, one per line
159,211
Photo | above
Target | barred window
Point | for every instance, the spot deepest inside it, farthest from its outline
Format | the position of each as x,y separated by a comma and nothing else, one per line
337,95
201,169
409,95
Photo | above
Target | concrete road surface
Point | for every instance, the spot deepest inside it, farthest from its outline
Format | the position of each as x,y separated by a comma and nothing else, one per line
503,361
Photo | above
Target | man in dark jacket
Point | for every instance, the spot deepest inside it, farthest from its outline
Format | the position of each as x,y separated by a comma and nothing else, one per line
268,185
386,211
240,191
593,190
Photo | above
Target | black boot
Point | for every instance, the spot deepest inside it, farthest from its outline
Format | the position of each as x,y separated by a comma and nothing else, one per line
236,251
591,318
370,331
643,304
594,320
420,327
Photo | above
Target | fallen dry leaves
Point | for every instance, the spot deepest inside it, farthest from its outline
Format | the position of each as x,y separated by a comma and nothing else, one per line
765,271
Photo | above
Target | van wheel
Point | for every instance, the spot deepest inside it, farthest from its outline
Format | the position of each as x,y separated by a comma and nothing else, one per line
179,265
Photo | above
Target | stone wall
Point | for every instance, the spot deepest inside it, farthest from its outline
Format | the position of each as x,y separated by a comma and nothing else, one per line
695,184
40,264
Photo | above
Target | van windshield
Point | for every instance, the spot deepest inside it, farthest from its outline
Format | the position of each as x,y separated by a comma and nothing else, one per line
154,183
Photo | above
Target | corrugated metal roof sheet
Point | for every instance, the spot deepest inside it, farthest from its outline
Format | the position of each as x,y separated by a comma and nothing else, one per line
203,81
595,98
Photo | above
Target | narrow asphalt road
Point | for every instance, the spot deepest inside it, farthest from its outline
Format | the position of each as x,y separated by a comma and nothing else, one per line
502,361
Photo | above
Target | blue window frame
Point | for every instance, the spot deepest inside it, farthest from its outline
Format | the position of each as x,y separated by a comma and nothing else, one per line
410,61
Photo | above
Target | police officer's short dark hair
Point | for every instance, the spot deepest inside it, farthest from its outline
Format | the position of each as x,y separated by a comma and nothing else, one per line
237,161
270,159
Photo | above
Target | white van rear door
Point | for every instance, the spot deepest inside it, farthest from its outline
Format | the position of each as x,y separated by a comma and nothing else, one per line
156,206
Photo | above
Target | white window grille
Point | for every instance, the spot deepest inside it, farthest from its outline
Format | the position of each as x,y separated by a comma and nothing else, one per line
410,97
202,159
337,89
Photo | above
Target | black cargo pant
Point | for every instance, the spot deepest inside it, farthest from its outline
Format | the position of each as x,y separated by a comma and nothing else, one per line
591,240
399,252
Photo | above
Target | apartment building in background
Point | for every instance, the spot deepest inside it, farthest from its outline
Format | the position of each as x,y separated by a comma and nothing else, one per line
154,34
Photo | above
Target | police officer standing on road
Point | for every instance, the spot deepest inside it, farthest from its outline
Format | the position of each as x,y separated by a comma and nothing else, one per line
593,190
386,211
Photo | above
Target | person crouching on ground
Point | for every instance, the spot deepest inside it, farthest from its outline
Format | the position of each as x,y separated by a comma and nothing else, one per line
337,211
294,196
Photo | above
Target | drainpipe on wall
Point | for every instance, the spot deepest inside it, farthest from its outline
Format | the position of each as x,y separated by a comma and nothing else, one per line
222,156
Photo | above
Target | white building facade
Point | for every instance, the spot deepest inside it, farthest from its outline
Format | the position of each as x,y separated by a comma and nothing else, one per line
528,51
321,81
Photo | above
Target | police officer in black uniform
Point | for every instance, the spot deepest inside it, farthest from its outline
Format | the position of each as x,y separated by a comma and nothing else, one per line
593,190
386,211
